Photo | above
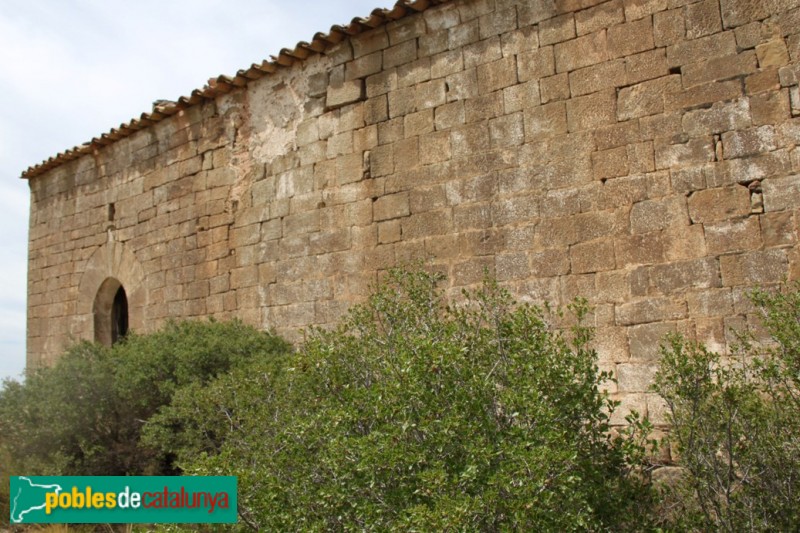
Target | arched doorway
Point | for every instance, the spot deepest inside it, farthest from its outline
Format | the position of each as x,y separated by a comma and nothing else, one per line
110,312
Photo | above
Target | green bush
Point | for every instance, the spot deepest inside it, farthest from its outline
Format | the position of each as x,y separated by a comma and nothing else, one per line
414,415
85,415
736,426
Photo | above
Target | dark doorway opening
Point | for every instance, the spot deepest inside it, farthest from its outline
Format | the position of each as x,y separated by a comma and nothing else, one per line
110,312
119,316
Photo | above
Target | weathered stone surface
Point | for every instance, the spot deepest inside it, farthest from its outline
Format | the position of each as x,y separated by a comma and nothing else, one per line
581,52
733,236
640,153
712,205
753,268
645,339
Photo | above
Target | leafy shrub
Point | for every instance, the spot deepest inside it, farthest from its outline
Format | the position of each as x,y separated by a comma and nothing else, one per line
85,415
418,416
736,426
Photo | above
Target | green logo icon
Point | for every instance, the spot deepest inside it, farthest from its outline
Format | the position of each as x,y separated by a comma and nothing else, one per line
118,499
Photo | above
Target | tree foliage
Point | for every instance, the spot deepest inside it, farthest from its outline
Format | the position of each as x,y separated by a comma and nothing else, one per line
416,415
85,415
736,426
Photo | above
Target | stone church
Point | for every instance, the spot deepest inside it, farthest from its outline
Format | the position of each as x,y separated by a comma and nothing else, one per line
639,153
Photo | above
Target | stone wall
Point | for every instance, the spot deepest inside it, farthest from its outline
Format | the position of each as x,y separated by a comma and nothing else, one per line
639,153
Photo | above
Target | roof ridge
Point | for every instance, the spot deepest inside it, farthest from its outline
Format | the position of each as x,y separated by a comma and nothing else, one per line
162,109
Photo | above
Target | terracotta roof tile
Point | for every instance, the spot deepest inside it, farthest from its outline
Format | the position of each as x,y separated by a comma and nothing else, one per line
223,84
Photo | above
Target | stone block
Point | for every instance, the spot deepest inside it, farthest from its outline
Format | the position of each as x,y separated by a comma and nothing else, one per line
557,29
369,42
434,148
405,29
381,83
597,77
430,94
772,54
521,96
482,52
442,18
733,236
680,276
498,22
749,142
467,140
645,340
748,36
581,52
427,224
345,93
463,34
653,215
449,115
545,121
669,27
720,117
754,268
536,64
554,88
646,98
472,271
636,9
702,19
778,229
696,151
719,68
752,168
592,111
536,12
640,249
484,107
519,209
472,216
782,193
549,262
740,12
389,231
630,38
446,63
610,163
507,131
511,266
376,110
710,302
617,135
646,66
398,54
650,310
592,256
763,81
635,377
522,40
362,67
714,205
701,95
564,231
599,17
717,45
641,157
418,123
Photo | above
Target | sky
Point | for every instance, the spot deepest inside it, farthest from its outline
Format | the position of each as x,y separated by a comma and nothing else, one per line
73,69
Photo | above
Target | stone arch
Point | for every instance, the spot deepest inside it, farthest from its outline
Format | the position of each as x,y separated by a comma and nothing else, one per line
112,267
110,312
